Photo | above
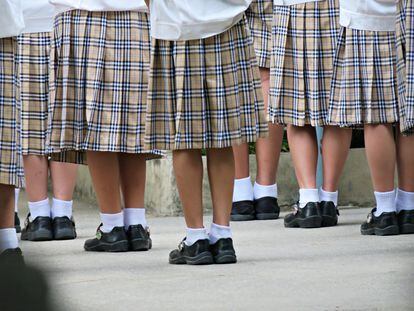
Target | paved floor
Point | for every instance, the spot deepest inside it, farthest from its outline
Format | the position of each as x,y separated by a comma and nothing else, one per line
278,269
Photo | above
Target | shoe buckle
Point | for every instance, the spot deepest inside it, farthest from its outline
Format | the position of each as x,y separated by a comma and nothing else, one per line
369,218
181,246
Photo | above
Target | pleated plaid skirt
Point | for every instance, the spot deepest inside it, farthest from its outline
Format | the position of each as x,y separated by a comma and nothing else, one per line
405,56
205,93
260,18
304,42
11,169
98,82
364,83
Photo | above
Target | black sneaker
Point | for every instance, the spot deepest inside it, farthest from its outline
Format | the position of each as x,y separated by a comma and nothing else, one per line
406,221
12,256
384,224
17,223
139,238
329,213
266,208
223,251
196,254
40,229
243,211
114,241
307,217
63,228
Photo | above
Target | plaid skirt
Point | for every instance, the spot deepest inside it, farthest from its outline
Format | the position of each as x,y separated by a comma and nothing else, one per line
405,65
33,61
364,83
11,168
259,18
205,93
304,42
98,83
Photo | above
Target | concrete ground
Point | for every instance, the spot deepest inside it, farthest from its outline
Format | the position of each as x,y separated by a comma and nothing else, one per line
278,269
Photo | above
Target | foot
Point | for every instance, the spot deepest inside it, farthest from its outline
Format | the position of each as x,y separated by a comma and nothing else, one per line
406,221
266,208
196,254
17,223
384,224
12,256
306,217
63,228
114,241
223,251
243,211
40,229
139,238
329,213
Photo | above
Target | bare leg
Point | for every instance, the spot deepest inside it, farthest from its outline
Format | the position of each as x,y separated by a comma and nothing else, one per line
36,174
221,174
6,206
241,161
63,179
405,162
188,168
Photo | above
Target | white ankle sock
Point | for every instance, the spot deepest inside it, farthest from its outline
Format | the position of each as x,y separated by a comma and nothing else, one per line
328,196
110,221
404,200
39,208
134,216
243,190
218,232
308,195
16,200
193,235
260,191
8,239
61,208
385,202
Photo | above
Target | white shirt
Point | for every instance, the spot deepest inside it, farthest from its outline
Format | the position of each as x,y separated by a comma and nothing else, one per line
11,18
292,2
370,15
99,5
38,16
194,19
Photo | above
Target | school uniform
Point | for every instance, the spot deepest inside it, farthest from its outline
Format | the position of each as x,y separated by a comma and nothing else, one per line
304,39
204,85
364,83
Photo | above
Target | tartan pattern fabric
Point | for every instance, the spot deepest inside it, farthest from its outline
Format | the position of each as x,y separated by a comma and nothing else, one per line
304,42
33,60
259,18
405,65
11,168
205,93
364,83
98,82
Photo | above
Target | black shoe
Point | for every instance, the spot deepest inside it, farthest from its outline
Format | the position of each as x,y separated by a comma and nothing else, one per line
63,228
223,251
406,221
243,211
139,238
384,224
329,213
196,254
307,217
17,223
114,241
266,208
40,229
12,256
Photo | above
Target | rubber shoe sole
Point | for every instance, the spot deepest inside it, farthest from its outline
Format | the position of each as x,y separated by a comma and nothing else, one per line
242,217
205,258
225,258
140,245
391,230
307,223
407,229
65,234
121,246
37,236
328,221
267,216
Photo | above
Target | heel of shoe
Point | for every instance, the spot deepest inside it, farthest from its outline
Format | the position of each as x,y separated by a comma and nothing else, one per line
267,216
391,230
40,235
140,245
225,258
407,228
205,258
311,222
121,246
328,221
65,234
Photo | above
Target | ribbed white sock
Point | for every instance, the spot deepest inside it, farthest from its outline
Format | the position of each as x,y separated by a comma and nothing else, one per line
260,191
61,208
308,195
110,221
243,190
404,200
39,209
218,232
193,235
328,196
8,239
385,202
134,216
16,200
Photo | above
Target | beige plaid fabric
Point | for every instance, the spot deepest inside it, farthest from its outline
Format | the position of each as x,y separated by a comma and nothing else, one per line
304,41
205,93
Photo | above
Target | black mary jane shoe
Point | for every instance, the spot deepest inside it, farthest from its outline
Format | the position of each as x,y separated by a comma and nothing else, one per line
243,211
223,251
406,221
329,213
139,238
266,208
384,224
12,257
64,228
196,254
306,217
114,241
40,229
